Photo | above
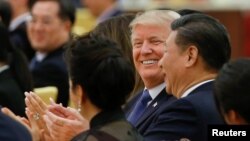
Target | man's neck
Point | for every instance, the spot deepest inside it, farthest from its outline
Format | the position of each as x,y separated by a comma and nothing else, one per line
192,82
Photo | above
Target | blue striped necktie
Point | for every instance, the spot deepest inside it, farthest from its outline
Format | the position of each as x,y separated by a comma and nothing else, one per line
140,107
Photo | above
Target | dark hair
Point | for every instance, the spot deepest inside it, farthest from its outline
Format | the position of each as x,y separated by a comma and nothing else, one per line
31,3
5,12
16,59
117,29
67,10
232,88
207,34
98,65
183,12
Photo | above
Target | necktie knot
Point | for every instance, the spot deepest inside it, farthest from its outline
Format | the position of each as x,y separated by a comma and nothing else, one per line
145,97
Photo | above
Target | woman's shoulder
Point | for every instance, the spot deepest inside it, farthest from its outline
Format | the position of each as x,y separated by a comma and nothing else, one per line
115,131
122,130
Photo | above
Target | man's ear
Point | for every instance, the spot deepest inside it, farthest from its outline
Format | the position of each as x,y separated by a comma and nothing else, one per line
234,118
67,25
192,55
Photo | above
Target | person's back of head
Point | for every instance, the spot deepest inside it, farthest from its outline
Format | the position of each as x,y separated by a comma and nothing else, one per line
99,67
232,91
207,34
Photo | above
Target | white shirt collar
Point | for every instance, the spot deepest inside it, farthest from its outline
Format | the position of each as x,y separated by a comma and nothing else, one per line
154,92
40,56
18,20
188,91
3,68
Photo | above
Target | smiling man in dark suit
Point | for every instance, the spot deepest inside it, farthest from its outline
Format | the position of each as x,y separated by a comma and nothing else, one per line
149,32
195,50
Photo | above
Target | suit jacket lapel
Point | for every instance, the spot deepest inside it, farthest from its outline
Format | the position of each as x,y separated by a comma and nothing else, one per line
153,106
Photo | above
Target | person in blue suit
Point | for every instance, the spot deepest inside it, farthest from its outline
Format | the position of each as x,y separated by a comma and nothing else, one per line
103,9
11,130
195,51
149,32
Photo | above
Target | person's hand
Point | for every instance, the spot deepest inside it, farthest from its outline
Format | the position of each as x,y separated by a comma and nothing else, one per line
37,107
29,123
21,120
64,123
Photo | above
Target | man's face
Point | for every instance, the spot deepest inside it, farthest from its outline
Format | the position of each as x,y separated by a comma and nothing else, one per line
45,29
148,42
172,64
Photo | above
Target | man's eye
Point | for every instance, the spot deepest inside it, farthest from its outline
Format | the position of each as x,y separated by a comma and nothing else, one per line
157,42
138,44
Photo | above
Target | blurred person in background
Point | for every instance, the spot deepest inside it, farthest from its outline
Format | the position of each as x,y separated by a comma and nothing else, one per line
5,12
18,26
49,30
15,77
232,91
103,9
77,3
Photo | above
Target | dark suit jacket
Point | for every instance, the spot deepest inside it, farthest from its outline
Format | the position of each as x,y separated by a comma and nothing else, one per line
20,39
52,71
10,130
113,13
11,95
187,117
109,126
153,110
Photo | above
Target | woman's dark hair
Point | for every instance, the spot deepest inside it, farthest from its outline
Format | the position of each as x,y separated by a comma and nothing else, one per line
100,68
13,57
117,29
